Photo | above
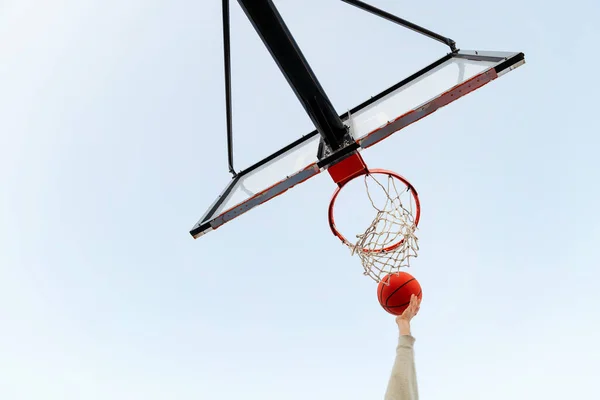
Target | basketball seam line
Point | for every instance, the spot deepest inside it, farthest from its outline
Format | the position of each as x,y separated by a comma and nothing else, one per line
380,295
402,305
398,288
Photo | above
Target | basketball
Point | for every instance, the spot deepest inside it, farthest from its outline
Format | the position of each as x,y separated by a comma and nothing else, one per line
394,291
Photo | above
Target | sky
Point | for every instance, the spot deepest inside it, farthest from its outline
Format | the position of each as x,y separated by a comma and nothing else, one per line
112,145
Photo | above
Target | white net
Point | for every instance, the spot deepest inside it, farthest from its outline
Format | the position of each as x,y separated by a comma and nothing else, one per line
389,242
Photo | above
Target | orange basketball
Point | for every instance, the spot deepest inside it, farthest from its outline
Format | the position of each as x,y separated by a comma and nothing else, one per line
394,291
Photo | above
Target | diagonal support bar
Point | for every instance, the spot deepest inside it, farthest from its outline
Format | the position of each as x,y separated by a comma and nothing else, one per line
283,48
407,24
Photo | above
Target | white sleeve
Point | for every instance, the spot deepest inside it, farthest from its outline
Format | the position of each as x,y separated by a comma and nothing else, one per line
403,381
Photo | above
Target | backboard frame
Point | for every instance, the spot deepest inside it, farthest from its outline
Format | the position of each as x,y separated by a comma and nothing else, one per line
337,139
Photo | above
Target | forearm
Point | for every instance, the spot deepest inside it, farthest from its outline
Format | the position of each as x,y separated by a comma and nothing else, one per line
403,380
404,327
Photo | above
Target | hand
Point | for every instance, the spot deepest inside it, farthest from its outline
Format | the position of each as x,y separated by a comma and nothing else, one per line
403,320
411,310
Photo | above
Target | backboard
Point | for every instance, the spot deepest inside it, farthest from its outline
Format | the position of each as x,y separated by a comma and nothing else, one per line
417,96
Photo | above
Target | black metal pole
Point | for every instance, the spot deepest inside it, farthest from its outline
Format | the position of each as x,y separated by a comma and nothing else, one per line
227,59
285,51
407,24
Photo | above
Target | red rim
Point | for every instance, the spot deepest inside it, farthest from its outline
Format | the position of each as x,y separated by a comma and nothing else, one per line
372,172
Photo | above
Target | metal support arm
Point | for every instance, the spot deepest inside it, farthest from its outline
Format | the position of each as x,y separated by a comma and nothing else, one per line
407,24
227,61
283,48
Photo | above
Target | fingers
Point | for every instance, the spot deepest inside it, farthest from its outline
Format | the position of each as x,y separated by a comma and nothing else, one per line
415,305
413,308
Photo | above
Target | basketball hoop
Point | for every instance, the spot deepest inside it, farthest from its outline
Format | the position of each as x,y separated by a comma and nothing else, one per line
389,243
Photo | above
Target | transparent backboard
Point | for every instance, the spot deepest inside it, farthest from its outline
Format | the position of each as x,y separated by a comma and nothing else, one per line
411,99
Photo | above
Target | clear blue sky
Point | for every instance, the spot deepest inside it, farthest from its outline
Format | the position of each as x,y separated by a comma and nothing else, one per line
112,145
